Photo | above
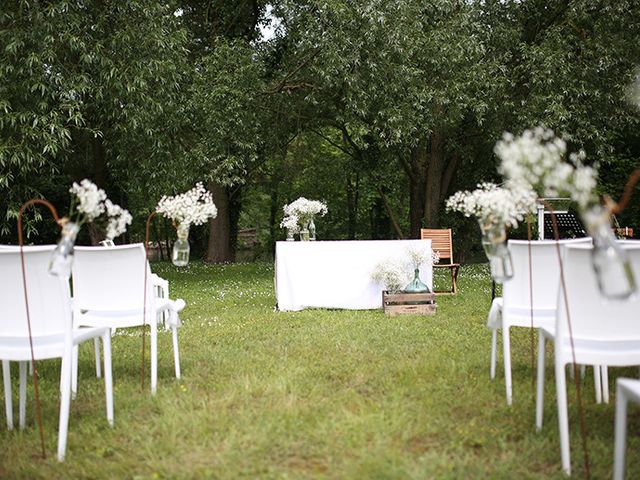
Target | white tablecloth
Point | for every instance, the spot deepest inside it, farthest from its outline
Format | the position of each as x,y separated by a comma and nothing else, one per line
337,274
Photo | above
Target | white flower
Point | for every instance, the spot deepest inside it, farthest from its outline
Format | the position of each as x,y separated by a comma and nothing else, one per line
392,274
290,222
119,218
90,199
537,157
193,207
493,205
304,210
422,256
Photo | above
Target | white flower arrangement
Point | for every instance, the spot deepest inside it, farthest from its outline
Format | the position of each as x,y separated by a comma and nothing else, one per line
536,158
422,256
392,274
119,218
290,222
495,206
193,207
89,202
304,210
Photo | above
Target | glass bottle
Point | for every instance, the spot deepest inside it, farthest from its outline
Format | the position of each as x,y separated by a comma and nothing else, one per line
62,257
181,248
312,230
610,262
416,285
494,243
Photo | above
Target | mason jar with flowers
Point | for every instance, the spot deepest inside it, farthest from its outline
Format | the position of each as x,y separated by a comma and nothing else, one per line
304,211
193,207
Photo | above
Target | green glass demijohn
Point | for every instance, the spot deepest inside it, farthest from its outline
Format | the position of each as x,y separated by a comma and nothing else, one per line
416,285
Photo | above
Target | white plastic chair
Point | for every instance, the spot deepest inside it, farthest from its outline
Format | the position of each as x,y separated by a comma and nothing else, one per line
627,390
603,332
513,309
108,291
52,330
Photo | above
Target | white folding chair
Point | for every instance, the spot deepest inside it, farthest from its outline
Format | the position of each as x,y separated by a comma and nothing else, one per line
627,390
602,332
514,308
108,290
52,330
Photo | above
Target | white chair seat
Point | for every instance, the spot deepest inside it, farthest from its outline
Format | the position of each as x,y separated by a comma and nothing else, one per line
627,390
17,349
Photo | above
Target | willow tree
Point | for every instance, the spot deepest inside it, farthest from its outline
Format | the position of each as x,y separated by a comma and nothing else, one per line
88,89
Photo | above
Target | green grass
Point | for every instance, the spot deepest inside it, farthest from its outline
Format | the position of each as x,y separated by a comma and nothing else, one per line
317,393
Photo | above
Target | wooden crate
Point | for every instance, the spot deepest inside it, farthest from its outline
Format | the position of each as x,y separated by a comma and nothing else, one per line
408,303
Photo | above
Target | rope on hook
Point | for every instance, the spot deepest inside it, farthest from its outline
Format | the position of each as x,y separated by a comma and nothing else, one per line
61,222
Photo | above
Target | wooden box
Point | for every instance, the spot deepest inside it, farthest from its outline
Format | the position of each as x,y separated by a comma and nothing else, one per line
408,303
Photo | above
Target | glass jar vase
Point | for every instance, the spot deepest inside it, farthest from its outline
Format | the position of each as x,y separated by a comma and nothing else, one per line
610,262
62,256
312,230
494,243
181,248
416,285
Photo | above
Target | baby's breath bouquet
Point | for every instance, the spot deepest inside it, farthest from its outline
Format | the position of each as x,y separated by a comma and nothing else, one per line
193,207
496,209
392,274
304,211
88,203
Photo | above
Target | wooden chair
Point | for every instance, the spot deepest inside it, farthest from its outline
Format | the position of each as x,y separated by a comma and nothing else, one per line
441,243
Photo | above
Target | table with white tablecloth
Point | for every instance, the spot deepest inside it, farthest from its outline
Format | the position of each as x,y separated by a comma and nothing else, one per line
337,274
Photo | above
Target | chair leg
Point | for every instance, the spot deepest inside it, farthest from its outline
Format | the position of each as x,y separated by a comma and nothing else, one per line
22,409
65,403
74,373
604,370
597,383
494,347
8,400
154,356
563,416
176,351
506,347
96,347
540,383
108,377
454,279
620,434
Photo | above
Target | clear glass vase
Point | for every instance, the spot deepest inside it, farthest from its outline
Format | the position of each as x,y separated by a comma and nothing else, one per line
494,242
62,257
416,285
304,235
290,237
610,261
181,248
312,230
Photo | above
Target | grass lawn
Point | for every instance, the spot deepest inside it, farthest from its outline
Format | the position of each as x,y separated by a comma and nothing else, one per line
322,394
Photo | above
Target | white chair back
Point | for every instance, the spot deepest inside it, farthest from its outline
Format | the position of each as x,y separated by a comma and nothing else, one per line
592,316
108,278
49,297
544,277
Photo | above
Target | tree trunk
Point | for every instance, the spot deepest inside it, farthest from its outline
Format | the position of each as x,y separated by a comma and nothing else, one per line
435,171
417,182
353,196
220,248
